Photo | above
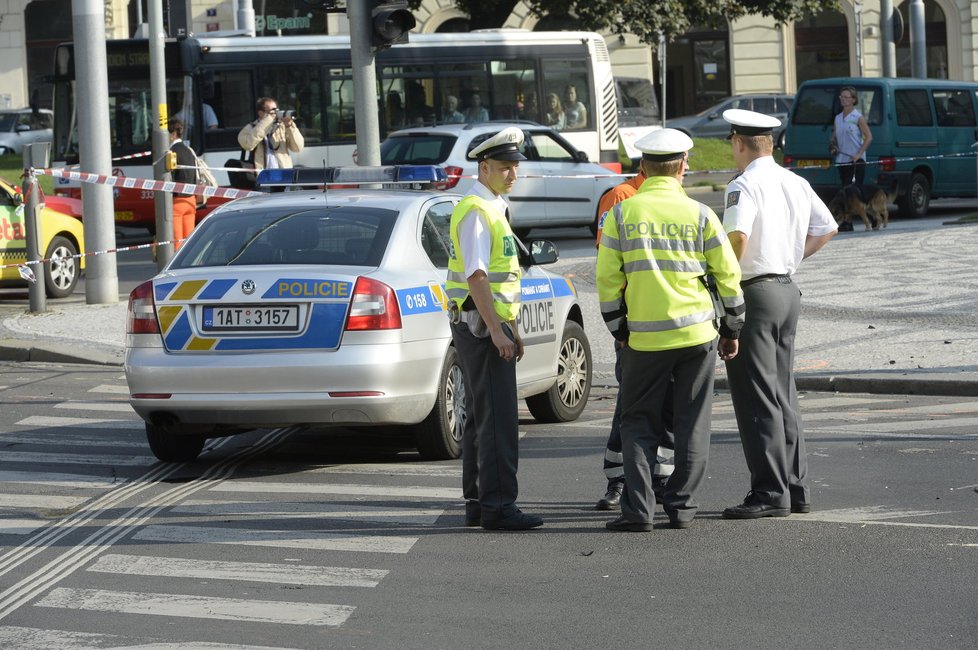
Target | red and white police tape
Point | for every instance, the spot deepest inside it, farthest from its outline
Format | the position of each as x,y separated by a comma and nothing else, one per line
131,182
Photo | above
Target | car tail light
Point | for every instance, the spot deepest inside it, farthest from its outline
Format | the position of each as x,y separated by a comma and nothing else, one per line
374,307
141,317
887,163
454,176
787,161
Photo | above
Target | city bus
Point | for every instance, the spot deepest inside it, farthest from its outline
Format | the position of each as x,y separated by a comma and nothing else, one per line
213,83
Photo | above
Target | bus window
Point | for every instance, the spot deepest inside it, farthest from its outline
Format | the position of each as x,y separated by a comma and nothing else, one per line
408,93
512,81
469,83
295,88
231,95
339,117
568,80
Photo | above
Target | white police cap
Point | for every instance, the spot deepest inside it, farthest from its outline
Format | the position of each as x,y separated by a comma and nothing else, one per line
664,144
505,145
749,123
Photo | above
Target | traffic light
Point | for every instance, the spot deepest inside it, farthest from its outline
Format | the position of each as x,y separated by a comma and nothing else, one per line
390,24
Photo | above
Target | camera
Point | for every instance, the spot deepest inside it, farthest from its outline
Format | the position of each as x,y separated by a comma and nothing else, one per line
284,115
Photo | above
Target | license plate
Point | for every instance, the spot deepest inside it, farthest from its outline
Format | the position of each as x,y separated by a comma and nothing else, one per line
821,163
126,215
251,318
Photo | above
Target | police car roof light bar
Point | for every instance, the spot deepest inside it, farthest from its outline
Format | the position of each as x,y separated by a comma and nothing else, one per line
297,177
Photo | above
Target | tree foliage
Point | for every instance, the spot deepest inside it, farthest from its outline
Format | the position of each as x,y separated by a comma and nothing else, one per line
644,18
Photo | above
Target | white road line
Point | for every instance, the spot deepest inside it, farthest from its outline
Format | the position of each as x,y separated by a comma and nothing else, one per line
117,407
297,510
108,460
20,526
183,605
63,440
59,480
93,423
877,516
454,494
912,426
307,539
383,469
285,574
811,401
950,408
45,501
26,638
112,389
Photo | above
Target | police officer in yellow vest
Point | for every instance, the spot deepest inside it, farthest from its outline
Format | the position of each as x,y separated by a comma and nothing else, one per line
656,251
483,285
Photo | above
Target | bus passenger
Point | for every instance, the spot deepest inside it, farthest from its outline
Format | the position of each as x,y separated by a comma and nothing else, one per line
575,110
271,136
450,112
555,118
476,112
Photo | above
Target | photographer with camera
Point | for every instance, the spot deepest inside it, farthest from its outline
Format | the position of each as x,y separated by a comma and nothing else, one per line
272,136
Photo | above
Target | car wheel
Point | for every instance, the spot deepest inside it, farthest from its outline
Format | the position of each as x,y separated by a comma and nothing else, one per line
439,436
172,447
61,273
917,199
566,399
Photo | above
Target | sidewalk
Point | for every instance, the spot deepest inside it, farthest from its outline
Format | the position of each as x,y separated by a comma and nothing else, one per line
892,312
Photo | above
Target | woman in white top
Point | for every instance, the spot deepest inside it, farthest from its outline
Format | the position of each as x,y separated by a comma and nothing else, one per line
850,139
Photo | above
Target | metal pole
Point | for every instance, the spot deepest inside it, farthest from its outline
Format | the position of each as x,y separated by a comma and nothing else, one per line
35,155
245,17
887,43
92,87
161,139
858,10
364,83
662,76
918,40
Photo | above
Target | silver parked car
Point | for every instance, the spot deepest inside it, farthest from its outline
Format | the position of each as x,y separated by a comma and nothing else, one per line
558,186
24,126
328,309
710,123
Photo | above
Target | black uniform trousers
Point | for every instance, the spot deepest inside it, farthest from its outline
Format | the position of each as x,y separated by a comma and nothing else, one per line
765,400
490,437
644,386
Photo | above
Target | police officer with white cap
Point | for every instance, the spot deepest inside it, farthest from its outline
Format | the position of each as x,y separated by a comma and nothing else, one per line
483,285
656,250
773,220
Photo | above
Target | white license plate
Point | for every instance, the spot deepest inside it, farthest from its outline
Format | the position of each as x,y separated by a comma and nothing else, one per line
251,318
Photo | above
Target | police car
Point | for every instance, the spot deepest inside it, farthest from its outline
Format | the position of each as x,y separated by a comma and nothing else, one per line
327,308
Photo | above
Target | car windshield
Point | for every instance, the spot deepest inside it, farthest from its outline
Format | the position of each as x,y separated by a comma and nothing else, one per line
341,236
417,149
818,105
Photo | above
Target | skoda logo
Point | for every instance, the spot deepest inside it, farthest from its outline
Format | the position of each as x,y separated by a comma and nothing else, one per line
248,287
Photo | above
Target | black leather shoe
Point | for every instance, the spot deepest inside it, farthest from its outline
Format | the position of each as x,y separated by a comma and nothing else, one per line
754,510
612,498
622,525
518,521
473,513
679,524
800,508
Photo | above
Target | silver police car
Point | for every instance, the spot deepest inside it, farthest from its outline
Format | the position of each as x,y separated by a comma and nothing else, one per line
328,309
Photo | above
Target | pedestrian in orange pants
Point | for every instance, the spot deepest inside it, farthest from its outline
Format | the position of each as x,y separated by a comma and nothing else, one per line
184,205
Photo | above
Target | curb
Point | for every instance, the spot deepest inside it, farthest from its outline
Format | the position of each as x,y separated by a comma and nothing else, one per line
48,352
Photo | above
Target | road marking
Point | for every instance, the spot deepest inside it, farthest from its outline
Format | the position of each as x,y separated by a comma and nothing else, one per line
912,426
119,407
54,421
20,526
877,516
46,501
387,469
297,510
25,638
171,567
230,609
304,539
57,438
59,480
112,389
107,460
454,494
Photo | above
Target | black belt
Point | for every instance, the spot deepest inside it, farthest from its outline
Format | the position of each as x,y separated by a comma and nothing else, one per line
783,279
468,304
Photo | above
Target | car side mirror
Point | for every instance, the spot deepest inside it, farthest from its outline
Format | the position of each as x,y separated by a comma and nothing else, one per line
543,251
713,116
580,156
23,127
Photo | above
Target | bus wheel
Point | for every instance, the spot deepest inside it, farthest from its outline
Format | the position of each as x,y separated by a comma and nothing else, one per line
917,199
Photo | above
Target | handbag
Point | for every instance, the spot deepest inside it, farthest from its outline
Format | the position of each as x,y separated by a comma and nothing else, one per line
243,180
204,177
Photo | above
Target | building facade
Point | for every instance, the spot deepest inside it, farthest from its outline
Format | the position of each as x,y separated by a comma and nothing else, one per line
752,54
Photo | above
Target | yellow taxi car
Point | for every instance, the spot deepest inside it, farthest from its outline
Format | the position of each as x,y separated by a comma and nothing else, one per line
61,238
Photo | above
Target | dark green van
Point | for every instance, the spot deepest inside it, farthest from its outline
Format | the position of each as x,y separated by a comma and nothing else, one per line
923,136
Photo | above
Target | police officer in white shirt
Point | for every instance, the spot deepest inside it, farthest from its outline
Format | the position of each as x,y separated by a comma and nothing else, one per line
773,220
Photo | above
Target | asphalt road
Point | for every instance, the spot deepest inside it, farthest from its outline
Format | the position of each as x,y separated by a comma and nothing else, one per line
292,539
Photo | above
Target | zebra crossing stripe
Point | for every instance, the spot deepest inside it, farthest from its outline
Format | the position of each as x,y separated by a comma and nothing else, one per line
454,494
117,407
182,605
906,426
283,574
389,469
59,480
298,510
13,637
87,423
303,539
45,501
106,460
20,526
112,389
62,440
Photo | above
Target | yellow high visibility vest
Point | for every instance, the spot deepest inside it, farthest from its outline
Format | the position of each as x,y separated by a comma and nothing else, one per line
504,264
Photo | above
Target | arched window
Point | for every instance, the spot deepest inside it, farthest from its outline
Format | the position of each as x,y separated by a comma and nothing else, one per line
821,46
453,25
935,33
